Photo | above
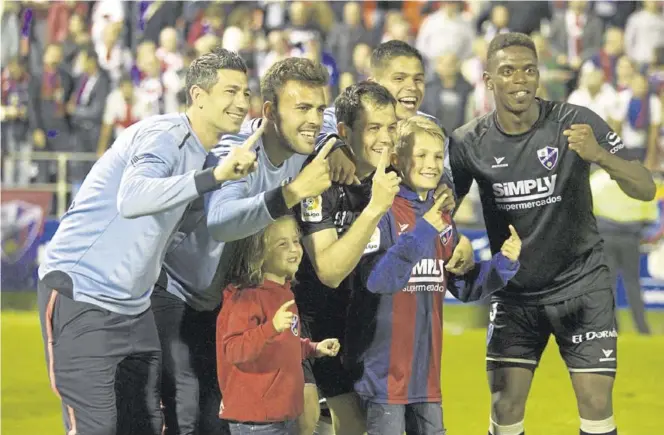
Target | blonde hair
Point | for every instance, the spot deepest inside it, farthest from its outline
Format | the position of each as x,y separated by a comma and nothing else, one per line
247,255
407,129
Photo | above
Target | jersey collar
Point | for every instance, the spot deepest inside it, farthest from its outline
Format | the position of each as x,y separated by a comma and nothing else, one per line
410,195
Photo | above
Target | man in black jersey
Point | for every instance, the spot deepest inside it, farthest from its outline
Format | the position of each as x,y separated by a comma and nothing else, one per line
531,159
338,227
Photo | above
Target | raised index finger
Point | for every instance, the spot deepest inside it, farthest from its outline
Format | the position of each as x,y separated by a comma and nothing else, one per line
384,161
326,149
248,145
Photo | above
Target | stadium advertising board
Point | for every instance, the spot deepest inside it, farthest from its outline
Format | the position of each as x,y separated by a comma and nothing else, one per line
23,215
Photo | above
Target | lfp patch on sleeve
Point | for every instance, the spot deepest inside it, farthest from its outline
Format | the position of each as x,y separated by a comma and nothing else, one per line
312,209
374,242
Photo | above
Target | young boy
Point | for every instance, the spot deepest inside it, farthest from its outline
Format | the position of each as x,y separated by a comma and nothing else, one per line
259,347
394,324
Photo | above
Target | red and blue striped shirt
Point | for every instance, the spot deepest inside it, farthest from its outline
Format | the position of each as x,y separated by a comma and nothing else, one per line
395,320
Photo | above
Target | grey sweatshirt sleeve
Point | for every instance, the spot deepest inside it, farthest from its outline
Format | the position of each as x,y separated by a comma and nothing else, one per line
149,184
241,208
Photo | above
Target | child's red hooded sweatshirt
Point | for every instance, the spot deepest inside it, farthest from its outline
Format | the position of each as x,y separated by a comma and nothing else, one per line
260,370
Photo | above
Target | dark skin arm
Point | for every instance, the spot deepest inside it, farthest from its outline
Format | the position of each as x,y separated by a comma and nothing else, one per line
632,177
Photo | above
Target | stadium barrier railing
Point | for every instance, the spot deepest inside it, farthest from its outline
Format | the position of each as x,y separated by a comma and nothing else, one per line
61,188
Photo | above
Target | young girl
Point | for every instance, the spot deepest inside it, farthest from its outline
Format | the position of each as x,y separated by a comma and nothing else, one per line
394,327
259,351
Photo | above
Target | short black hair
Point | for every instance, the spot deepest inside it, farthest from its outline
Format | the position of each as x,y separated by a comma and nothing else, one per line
389,50
296,69
348,104
505,40
202,71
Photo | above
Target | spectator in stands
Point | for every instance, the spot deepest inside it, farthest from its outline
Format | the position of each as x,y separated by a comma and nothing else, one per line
86,109
400,31
148,18
553,77
448,93
9,32
278,49
613,13
500,18
392,29
480,101
595,94
640,115
59,13
621,221
445,21
644,32
575,35
34,33
168,52
361,62
106,12
208,22
312,50
14,124
144,52
607,57
205,44
49,93
299,30
346,35
124,107
158,89
473,67
114,58
625,70
656,72
77,37
524,16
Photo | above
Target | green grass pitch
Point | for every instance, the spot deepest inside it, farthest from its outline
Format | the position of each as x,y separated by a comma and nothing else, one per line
30,408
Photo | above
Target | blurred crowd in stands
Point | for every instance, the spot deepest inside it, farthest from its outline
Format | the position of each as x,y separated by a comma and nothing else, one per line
76,73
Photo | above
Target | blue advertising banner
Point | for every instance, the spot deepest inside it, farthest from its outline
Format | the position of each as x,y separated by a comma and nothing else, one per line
652,266
23,213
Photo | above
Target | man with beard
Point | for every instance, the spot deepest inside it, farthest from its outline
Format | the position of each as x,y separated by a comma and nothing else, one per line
531,159
186,300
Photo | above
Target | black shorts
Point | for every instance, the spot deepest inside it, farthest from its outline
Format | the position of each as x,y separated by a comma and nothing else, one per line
328,374
104,366
584,327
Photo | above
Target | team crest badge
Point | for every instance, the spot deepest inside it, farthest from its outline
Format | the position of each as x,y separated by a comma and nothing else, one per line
312,209
548,157
21,227
446,235
295,325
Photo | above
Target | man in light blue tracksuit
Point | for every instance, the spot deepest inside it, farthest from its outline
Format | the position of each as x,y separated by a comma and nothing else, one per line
102,348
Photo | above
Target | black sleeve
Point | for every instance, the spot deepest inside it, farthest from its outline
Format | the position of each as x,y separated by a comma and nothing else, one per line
606,137
317,213
461,174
